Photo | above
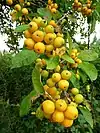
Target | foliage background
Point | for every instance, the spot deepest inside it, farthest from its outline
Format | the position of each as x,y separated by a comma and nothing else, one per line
15,84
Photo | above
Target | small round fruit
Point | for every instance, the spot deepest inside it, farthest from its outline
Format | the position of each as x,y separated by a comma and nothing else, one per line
25,11
58,116
88,12
44,73
48,106
29,43
50,83
53,23
78,76
49,29
79,61
75,91
65,74
52,91
73,104
27,34
79,98
33,26
61,105
60,35
57,69
58,42
67,123
71,112
43,23
55,5
45,87
17,7
49,48
74,51
53,10
37,20
49,2
49,38
56,77
63,84
38,36
75,65
72,55
39,47
9,2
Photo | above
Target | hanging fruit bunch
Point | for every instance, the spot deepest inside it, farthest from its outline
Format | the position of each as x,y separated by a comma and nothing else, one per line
55,67
41,38
52,6
84,8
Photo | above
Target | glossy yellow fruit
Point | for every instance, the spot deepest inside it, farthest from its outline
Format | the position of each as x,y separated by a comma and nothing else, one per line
53,10
72,55
17,7
61,105
58,116
53,23
37,20
79,98
55,5
33,27
24,11
49,48
58,42
50,83
60,35
71,112
74,51
38,36
56,77
29,43
45,87
49,29
27,34
49,38
39,47
48,107
57,69
49,2
52,91
9,2
63,84
74,91
79,61
67,123
65,74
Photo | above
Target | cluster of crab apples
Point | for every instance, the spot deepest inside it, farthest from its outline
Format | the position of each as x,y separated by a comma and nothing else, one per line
85,9
41,37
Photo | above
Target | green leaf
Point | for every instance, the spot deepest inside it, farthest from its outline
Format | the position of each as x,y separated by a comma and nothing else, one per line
68,58
44,12
89,69
69,42
87,115
26,103
23,58
52,62
88,55
21,28
83,76
74,81
37,84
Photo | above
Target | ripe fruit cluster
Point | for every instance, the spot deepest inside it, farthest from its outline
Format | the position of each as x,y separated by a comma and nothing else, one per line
19,10
57,83
41,38
85,9
74,55
52,6
60,112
